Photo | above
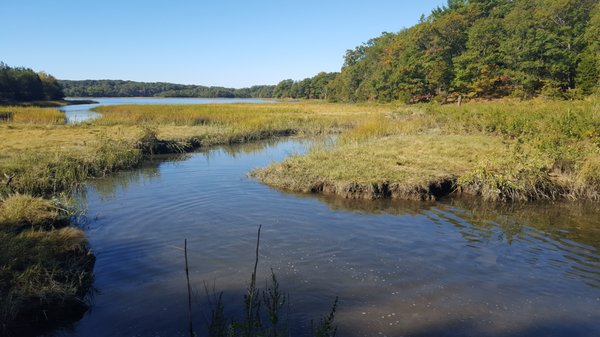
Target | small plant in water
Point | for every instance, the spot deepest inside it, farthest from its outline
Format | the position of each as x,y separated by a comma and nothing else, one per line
265,311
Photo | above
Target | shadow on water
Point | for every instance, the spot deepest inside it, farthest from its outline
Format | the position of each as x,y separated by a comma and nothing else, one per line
449,268
571,228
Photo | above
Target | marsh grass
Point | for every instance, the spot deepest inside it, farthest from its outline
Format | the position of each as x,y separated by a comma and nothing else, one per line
31,115
21,210
50,173
248,119
401,167
499,151
46,266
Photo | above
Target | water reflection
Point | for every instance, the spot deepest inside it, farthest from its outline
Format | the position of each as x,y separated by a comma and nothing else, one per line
571,228
451,268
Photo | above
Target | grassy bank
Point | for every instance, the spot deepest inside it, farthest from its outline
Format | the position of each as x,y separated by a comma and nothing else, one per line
44,157
46,265
31,115
498,151
399,167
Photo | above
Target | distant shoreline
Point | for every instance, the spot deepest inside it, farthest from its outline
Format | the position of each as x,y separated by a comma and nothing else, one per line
49,104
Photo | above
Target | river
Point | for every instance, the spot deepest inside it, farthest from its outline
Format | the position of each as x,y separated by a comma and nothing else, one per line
449,268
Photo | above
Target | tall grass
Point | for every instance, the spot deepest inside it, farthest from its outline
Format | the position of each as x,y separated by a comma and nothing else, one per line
22,210
528,150
239,118
45,269
50,173
31,115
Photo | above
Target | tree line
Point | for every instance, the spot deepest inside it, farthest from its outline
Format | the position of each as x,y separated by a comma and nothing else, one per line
481,49
119,88
23,84
314,87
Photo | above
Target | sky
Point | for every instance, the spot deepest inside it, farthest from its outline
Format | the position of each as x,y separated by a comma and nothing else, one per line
216,43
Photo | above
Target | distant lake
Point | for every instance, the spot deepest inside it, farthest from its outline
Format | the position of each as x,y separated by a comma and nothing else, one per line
81,113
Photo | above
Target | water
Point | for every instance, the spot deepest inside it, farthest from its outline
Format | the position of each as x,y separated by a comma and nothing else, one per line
82,112
454,268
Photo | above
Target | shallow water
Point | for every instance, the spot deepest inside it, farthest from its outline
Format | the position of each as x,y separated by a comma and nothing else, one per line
83,112
453,268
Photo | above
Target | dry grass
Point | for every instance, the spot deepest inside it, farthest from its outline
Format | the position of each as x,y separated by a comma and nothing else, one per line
31,115
51,158
277,113
238,123
562,141
20,209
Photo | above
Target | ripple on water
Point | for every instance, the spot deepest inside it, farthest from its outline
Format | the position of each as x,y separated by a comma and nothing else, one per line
399,268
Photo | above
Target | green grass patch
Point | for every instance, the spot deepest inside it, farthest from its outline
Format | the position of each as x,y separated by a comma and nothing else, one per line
402,167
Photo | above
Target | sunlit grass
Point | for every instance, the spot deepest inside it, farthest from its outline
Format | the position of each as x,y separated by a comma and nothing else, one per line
554,144
400,166
497,151
554,151
31,115
25,210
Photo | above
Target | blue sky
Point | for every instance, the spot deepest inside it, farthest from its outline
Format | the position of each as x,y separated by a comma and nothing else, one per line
219,42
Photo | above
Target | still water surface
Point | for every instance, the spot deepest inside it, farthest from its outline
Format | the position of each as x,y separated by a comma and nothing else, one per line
399,268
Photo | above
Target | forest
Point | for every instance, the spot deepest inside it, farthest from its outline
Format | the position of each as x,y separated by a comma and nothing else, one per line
480,49
24,84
